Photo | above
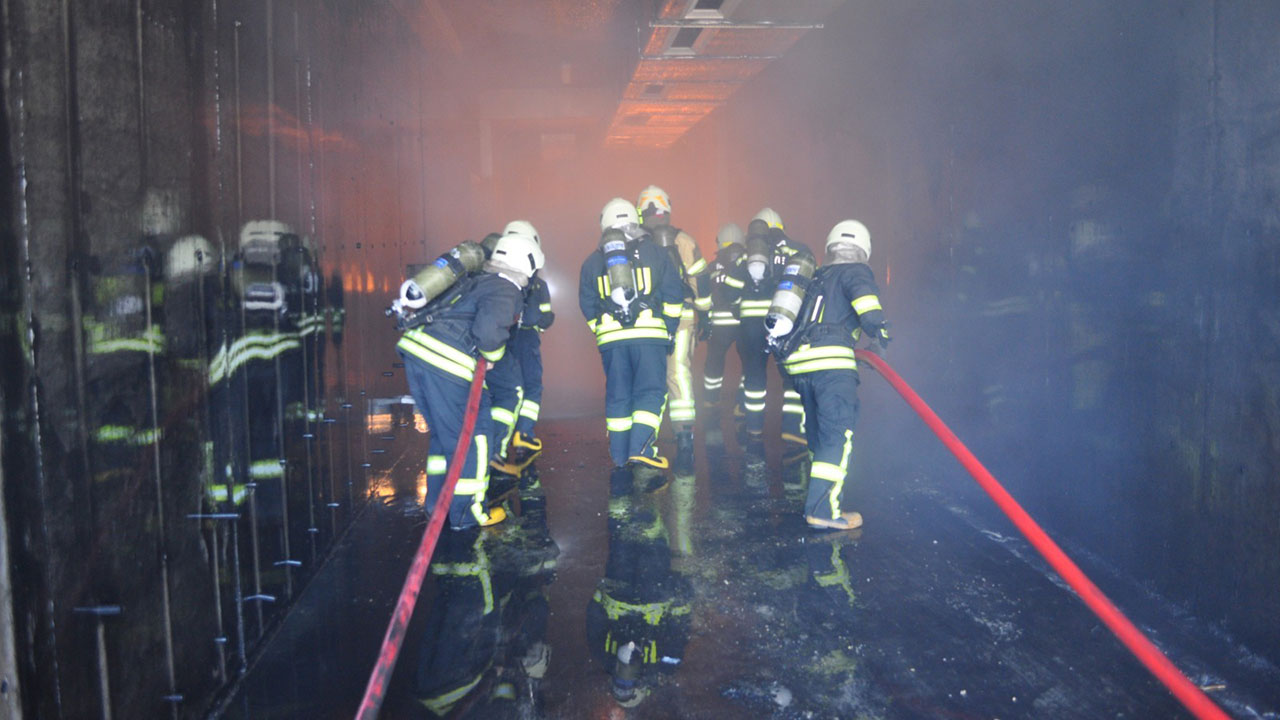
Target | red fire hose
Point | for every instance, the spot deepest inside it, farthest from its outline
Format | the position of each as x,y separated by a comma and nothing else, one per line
376,690
1147,653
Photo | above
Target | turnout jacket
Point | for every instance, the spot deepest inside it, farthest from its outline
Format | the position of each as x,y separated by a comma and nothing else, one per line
845,302
537,305
659,299
720,289
477,321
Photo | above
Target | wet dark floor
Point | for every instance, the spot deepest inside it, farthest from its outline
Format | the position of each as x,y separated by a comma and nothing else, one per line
732,606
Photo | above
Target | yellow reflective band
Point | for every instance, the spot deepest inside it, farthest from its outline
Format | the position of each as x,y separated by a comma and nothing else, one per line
866,304
502,415
686,314
545,307
826,471
412,343
441,348
476,485
644,417
755,394
790,394
266,470
698,266
651,612
820,352
437,465
441,704
702,303
113,434
672,309
617,424
592,325
494,355
734,282
793,408
753,407
819,365
530,409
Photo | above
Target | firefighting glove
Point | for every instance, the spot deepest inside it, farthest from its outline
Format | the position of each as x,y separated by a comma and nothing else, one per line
882,336
704,327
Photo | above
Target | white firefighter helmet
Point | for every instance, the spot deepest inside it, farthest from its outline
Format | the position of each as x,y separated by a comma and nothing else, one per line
850,231
655,197
730,234
190,257
522,227
519,252
770,218
618,213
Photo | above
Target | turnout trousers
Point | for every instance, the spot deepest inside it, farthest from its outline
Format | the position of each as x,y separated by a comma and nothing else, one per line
505,391
442,400
526,345
635,376
830,399
680,398
755,379
722,337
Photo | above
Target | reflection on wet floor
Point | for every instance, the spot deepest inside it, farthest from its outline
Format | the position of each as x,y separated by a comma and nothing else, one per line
703,594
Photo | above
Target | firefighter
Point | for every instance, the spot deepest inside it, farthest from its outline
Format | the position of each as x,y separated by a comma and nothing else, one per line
784,248
526,345
842,301
718,308
473,319
654,207
517,396
757,291
631,295
502,386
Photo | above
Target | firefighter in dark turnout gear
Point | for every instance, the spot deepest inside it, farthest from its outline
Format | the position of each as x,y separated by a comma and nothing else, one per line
784,249
654,207
526,344
842,302
520,372
632,298
718,298
473,319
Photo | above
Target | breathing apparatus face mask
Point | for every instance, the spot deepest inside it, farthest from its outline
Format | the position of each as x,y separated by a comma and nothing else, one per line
519,276
654,217
842,253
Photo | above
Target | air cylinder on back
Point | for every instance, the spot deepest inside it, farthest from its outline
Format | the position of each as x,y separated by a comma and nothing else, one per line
789,297
622,284
434,279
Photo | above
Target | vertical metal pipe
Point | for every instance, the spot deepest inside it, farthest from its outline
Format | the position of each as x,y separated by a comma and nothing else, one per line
158,476
239,129
309,307
75,245
271,109
141,79
104,677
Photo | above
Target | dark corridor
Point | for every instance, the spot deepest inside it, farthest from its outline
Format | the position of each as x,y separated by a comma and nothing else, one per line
211,481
